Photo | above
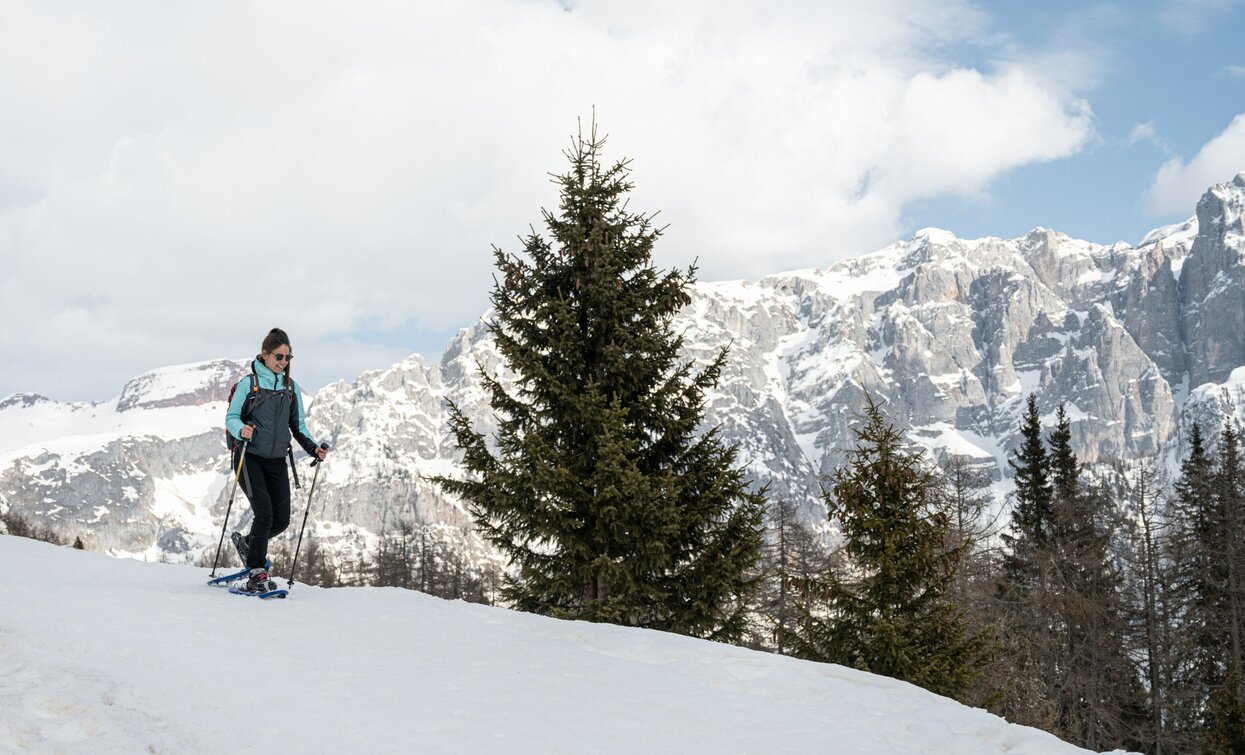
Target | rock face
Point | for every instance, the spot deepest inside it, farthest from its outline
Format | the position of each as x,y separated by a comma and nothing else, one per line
177,386
949,334
1211,284
139,475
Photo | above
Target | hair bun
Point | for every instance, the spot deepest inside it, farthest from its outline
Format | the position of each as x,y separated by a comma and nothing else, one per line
276,337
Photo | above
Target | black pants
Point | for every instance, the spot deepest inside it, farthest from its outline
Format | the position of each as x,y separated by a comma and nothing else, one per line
270,501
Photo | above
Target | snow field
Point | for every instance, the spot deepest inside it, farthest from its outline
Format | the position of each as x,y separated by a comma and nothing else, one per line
108,655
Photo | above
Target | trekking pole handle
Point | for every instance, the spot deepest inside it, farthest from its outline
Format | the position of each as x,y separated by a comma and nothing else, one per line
325,446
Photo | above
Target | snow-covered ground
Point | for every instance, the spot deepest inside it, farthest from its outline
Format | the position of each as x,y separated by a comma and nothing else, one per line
101,655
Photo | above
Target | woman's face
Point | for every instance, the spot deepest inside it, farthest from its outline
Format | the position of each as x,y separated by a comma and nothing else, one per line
277,359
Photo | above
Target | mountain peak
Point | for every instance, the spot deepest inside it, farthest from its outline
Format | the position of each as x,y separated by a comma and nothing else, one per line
1180,233
935,236
24,400
1221,211
182,385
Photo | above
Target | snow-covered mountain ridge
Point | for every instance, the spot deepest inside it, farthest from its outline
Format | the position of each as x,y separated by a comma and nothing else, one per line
115,656
951,334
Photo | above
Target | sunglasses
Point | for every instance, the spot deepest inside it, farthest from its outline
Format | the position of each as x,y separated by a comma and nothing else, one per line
282,357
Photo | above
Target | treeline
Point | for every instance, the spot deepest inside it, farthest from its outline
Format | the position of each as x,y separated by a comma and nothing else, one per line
13,523
419,557
1108,611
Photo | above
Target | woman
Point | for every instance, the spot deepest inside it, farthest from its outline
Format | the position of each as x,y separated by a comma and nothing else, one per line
267,408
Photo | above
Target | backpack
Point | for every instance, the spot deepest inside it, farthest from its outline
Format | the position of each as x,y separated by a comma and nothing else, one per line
231,442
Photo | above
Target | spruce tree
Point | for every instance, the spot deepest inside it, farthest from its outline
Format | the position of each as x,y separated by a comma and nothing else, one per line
1027,612
891,614
1230,499
1228,486
1065,468
1205,552
1031,516
1190,549
1206,521
1087,675
601,489
1225,719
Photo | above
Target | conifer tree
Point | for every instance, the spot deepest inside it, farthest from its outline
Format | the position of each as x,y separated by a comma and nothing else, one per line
600,488
1228,494
891,614
1065,468
1074,609
1027,612
1225,719
1031,516
1207,699
1190,550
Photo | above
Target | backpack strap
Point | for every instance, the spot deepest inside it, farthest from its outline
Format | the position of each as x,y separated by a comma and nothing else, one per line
252,394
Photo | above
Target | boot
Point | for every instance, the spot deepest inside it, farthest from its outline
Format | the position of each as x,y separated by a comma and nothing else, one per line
258,582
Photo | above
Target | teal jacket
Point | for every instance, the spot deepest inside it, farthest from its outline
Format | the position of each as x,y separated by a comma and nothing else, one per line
271,437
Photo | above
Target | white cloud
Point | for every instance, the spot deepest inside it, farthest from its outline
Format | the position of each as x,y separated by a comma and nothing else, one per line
178,178
1142,132
1145,132
1178,185
1236,72
1193,17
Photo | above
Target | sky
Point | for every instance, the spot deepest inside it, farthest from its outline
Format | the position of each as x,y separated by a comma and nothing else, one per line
176,178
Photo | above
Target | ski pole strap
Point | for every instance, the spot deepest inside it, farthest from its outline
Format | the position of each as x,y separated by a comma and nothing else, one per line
246,476
237,466
294,467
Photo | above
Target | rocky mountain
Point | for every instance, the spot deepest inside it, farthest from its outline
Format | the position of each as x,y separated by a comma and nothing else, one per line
950,334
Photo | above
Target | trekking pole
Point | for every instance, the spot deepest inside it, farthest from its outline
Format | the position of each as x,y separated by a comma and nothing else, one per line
294,567
225,524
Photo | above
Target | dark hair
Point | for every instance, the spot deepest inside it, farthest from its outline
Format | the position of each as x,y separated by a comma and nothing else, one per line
276,337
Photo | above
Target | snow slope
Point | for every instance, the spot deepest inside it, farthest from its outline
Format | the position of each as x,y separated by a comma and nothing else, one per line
108,655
